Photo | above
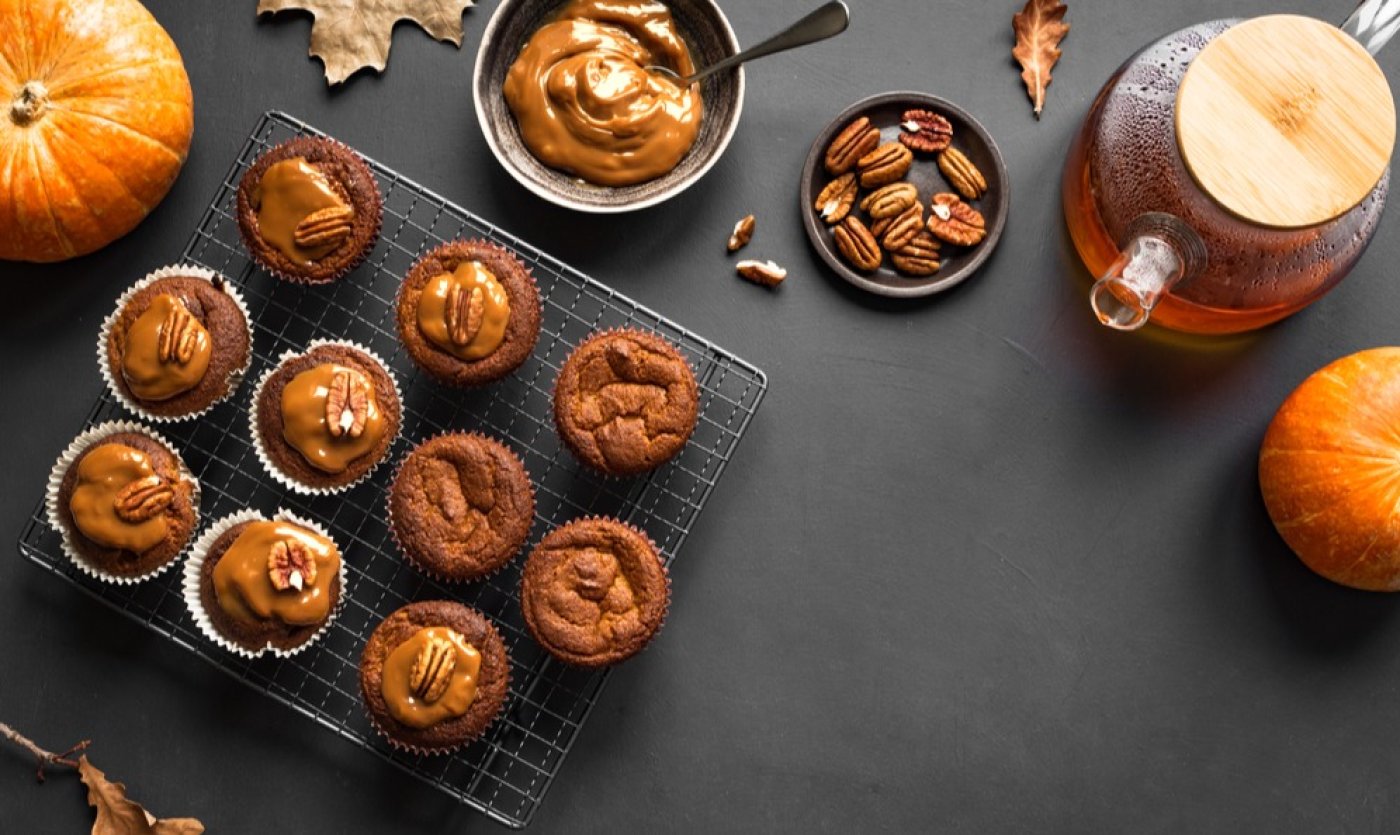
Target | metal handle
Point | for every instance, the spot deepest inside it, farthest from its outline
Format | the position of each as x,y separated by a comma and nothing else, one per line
1374,23
827,22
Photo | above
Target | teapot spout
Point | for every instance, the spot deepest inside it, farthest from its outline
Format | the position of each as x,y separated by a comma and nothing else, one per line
1160,254
1374,23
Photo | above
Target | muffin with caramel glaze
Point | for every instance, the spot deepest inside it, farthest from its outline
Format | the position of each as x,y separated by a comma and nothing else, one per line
625,402
594,592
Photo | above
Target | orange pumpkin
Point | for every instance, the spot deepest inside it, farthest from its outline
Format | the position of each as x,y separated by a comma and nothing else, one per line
97,121
1330,470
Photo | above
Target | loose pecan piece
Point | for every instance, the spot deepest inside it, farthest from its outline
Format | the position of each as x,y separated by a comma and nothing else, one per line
324,228
837,198
743,233
952,220
853,142
858,245
466,308
886,164
767,273
925,131
290,565
890,200
143,499
963,175
432,669
902,228
919,257
347,403
177,335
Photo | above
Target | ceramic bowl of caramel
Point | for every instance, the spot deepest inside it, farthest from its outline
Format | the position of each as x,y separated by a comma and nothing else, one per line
708,37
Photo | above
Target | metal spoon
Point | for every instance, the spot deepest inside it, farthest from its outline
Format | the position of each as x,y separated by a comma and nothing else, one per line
827,22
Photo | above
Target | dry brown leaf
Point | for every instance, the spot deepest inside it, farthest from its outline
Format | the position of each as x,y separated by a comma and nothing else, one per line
348,35
1039,28
116,815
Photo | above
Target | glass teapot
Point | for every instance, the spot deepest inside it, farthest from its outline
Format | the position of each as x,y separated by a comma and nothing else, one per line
1233,172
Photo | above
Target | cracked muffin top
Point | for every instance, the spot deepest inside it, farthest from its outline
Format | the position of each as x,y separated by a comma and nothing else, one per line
461,506
625,402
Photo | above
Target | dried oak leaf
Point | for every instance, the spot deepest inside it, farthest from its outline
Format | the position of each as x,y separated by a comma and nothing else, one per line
348,35
1039,28
116,815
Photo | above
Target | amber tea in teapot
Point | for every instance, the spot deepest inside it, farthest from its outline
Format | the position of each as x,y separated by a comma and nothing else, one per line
1233,172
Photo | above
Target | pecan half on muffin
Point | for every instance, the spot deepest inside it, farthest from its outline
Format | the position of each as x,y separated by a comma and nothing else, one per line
461,506
594,592
178,342
324,419
469,313
625,402
309,210
123,501
434,676
256,584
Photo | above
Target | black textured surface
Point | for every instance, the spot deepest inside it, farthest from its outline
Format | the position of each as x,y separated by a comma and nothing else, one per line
981,566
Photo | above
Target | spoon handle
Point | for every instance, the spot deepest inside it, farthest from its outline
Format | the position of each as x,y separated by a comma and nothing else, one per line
1374,23
828,21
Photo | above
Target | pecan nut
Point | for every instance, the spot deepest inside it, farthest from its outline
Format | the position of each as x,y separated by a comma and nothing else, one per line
884,165
466,308
742,234
766,273
903,228
952,220
143,499
919,257
925,131
890,200
853,142
178,335
290,565
858,245
432,669
962,174
324,228
347,403
837,198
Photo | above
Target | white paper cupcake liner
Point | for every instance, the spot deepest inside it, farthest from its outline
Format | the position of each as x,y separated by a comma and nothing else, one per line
285,479
235,378
407,555
66,460
194,567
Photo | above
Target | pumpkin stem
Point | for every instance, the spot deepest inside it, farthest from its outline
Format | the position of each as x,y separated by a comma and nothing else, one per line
29,104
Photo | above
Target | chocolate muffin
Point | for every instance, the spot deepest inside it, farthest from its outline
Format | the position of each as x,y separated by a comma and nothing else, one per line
177,343
594,592
469,313
124,502
324,419
309,210
625,402
461,506
434,675
264,583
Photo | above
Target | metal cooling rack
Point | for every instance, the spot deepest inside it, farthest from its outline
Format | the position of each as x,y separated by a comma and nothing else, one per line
506,773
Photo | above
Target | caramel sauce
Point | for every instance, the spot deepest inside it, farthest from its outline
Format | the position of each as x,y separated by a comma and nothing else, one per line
304,421
102,474
290,191
146,374
586,103
244,587
432,311
461,689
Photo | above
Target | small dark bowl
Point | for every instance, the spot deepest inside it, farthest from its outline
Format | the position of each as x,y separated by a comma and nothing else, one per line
710,38
884,111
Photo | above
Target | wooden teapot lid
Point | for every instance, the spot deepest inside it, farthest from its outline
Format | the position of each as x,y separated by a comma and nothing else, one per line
1286,121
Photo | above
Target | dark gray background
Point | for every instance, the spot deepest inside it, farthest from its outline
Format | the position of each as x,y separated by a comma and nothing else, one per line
978,566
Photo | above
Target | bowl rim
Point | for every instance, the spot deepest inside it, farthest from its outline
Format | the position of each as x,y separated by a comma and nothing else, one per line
816,231
507,7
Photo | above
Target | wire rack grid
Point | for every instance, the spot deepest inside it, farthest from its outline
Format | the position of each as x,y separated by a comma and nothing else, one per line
507,772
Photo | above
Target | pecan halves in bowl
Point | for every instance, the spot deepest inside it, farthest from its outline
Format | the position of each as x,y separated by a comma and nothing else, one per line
919,257
886,164
962,174
853,142
836,200
890,201
952,220
858,245
925,131
902,229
